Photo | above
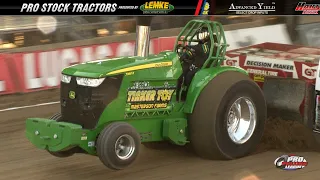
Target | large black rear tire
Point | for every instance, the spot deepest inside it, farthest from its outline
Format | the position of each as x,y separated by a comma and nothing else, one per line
208,124
62,154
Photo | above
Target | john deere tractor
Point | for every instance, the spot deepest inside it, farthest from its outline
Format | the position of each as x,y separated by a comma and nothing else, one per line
111,107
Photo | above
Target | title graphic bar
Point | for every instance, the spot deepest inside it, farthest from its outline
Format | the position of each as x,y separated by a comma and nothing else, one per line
154,8
127,8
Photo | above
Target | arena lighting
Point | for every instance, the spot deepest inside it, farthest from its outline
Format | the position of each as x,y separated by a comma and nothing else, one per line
7,46
102,32
47,24
121,32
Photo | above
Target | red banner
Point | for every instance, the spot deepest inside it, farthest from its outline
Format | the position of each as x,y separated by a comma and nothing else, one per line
39,70
8,76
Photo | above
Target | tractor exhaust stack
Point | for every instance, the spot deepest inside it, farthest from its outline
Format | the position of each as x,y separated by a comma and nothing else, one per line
142,36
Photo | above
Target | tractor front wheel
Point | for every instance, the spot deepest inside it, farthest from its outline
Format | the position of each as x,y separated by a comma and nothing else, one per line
118,145
229,117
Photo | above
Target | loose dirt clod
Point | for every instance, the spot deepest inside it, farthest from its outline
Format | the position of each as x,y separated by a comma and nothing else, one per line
289,136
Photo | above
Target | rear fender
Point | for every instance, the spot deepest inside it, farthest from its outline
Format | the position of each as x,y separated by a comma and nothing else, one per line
201,79
290,99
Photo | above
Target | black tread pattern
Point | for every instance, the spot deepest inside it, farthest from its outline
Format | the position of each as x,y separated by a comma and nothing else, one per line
106,142
205,137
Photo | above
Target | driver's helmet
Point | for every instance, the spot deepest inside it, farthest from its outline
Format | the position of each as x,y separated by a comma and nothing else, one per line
203,34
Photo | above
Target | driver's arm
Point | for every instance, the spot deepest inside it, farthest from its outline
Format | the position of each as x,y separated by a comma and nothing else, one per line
199,48
191,51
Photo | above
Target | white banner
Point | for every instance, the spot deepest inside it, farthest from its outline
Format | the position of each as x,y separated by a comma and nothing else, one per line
251,36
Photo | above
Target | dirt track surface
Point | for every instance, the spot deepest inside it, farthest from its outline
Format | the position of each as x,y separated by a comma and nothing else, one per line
19,159
8,101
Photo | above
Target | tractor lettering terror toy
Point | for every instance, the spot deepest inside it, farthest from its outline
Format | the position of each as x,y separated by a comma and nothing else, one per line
110,107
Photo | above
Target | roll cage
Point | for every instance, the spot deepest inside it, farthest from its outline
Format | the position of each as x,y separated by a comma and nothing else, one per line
188,36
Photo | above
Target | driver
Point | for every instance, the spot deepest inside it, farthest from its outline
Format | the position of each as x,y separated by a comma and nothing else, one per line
199,53
196,55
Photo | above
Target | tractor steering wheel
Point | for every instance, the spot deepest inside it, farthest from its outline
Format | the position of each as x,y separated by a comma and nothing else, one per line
181,51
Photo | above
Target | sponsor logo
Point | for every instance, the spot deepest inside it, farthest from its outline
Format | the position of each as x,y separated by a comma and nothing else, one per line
148,106
290,162
149,98
262,72
308,8
259,8
309,72
206,9
129,73
259,74
140,67
272,65
160,95
232,62
156,7
84,138
91,144
258,78
163,64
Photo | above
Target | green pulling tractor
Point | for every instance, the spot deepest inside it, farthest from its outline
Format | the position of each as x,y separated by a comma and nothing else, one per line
109,108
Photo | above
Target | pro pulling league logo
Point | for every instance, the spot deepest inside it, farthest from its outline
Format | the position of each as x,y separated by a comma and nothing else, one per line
290,162
308,8
156,7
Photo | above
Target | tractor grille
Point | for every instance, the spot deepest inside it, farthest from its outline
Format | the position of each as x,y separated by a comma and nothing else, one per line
89,102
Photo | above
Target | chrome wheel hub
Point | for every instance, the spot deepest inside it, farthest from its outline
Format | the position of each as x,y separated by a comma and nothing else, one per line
241,120
124,147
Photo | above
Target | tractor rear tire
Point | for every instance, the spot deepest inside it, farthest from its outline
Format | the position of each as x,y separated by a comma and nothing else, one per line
62,154
208,124
118,145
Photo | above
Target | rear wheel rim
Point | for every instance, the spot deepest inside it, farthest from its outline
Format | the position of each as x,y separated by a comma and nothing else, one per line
125,147
241,120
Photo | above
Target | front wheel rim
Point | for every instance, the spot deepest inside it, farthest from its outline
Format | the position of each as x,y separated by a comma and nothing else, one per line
125,147
241,120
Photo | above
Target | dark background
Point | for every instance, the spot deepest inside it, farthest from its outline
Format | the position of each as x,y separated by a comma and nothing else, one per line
283,7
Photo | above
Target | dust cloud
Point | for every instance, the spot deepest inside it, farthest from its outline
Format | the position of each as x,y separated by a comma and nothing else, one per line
288,136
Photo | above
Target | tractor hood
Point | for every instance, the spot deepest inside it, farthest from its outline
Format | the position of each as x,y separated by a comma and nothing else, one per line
120,65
